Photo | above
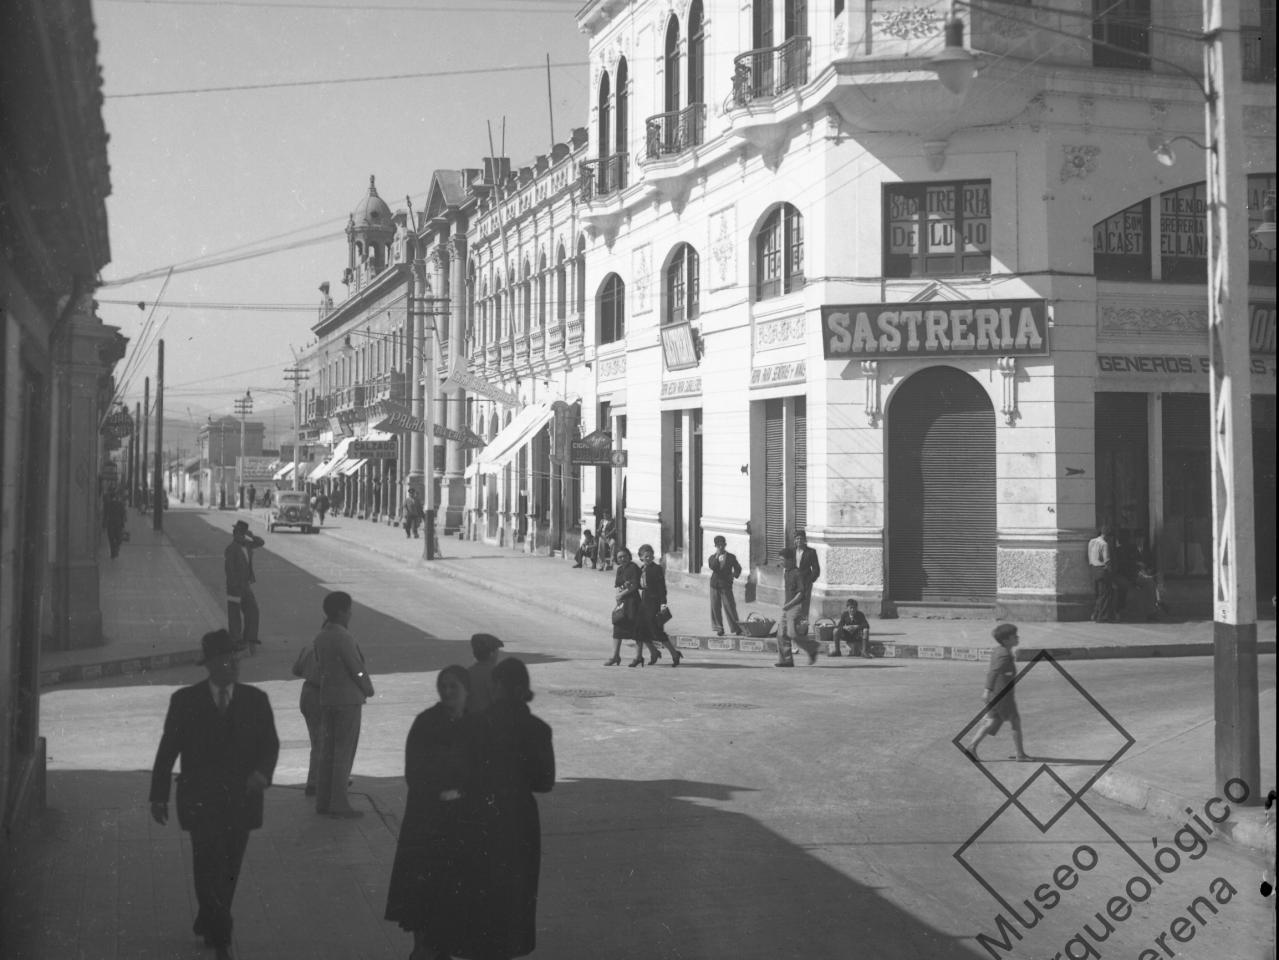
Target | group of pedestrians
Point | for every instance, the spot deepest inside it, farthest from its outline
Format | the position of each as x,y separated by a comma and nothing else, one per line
640,610
464,880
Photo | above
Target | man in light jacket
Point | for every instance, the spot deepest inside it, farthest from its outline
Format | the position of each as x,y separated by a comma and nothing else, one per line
344,686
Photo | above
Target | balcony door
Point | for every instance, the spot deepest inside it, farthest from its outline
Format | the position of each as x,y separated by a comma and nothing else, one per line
796,18
672,66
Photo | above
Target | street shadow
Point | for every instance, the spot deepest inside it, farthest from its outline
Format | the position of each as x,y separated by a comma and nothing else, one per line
291,601
631,870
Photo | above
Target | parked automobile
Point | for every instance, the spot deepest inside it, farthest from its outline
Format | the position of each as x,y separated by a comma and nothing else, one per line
292,508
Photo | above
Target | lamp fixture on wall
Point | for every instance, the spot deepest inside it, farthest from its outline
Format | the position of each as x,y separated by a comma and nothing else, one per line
1161,147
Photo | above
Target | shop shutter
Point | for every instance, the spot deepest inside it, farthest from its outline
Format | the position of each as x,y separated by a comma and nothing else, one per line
677,521
801,463
774,482
941,489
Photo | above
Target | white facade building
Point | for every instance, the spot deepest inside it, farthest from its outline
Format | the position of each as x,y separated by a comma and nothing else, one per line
934,331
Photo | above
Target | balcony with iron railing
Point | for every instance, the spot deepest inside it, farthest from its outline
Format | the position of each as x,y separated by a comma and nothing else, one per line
672,133
771,71
603,178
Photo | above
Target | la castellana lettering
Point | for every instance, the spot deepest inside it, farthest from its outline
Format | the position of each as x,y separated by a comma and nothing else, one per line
963,328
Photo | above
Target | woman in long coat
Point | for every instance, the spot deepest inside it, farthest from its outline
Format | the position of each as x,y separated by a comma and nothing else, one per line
652,602
432,861
518,760
626,596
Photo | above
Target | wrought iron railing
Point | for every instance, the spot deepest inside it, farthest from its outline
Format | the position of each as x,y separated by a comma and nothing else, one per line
771,71
674,132
603,177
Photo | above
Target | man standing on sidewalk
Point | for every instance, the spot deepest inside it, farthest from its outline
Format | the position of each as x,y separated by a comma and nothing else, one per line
241,603
344,686
809,570
724,570
224,731
1101,567
413,513
787,626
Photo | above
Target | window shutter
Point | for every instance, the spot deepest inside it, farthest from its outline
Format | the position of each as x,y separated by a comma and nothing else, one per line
774,482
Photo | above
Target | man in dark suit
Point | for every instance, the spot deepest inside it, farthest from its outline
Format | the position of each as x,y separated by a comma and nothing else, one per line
224,732
809,570
241,603
724,570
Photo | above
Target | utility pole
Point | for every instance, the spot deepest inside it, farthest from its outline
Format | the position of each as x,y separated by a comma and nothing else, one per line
146,429
243,406
157,517
418,442
296,375
1234,629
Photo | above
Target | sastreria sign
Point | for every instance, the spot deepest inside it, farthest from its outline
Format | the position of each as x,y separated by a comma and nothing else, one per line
965,328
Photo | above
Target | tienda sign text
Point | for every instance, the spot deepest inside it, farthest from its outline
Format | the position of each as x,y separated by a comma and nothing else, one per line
965,328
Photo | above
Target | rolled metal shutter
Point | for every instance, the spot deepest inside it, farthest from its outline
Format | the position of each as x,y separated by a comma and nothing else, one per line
941,490
801,463
774,482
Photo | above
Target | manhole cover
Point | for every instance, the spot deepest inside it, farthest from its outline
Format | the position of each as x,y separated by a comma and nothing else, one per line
728,706
581,693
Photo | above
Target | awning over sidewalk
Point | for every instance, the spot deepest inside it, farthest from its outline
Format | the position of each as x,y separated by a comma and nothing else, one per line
503,448
331,464
347,467
283,473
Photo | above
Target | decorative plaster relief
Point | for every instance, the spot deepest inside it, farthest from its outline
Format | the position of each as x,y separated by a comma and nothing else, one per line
854,566
642,274
1087,110
771,334
1078,161
613,368
723,228
1027,569
1140,321
908,23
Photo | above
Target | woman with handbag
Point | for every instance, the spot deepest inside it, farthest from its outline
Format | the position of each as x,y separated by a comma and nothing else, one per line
626,594
441,761
654,612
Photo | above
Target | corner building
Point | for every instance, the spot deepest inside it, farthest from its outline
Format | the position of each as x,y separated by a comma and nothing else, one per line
947,335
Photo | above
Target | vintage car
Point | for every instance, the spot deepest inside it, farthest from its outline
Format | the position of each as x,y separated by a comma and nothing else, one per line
291,508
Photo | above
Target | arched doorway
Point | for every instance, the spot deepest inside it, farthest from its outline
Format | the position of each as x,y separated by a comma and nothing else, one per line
941,490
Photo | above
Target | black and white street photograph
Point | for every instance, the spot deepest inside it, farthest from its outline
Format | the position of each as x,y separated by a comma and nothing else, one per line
637,480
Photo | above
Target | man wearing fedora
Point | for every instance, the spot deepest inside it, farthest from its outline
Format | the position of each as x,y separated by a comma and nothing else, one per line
241,604
224,731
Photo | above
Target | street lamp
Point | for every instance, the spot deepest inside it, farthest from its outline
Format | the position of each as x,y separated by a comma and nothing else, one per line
1234,573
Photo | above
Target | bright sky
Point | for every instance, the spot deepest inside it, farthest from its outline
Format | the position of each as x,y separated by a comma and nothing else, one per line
199,174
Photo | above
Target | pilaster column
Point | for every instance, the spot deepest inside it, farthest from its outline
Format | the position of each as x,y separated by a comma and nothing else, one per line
454,494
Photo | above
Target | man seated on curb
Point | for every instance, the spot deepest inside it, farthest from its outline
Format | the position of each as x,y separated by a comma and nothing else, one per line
853,629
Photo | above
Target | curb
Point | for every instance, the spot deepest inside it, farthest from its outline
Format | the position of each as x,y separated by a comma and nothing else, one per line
892,649
1247,832
74,673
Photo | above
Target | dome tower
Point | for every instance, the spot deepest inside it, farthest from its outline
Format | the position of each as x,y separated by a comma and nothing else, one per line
369,232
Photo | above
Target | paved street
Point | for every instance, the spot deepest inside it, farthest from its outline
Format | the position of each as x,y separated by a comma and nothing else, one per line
723,810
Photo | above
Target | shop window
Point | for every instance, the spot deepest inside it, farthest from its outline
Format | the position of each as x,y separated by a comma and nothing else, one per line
1121,244
937,229
1186,539
683,288
1261,259
779,253
611,309
1183,234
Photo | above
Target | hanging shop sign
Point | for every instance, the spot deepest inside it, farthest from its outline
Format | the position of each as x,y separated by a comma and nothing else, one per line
593,450
118,424
256,469
465,380
395,419
679,347
965,328
372,450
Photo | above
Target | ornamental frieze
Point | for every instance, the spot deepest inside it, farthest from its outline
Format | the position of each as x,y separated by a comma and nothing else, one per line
613,368
771,334
1134,320
908,23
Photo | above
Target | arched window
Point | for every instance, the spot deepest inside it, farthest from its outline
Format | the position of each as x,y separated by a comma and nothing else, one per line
683,285
672,64
499,330
604,142
579,268
526,295
611,309
541,292
779,253
696,54
621,138
561,284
